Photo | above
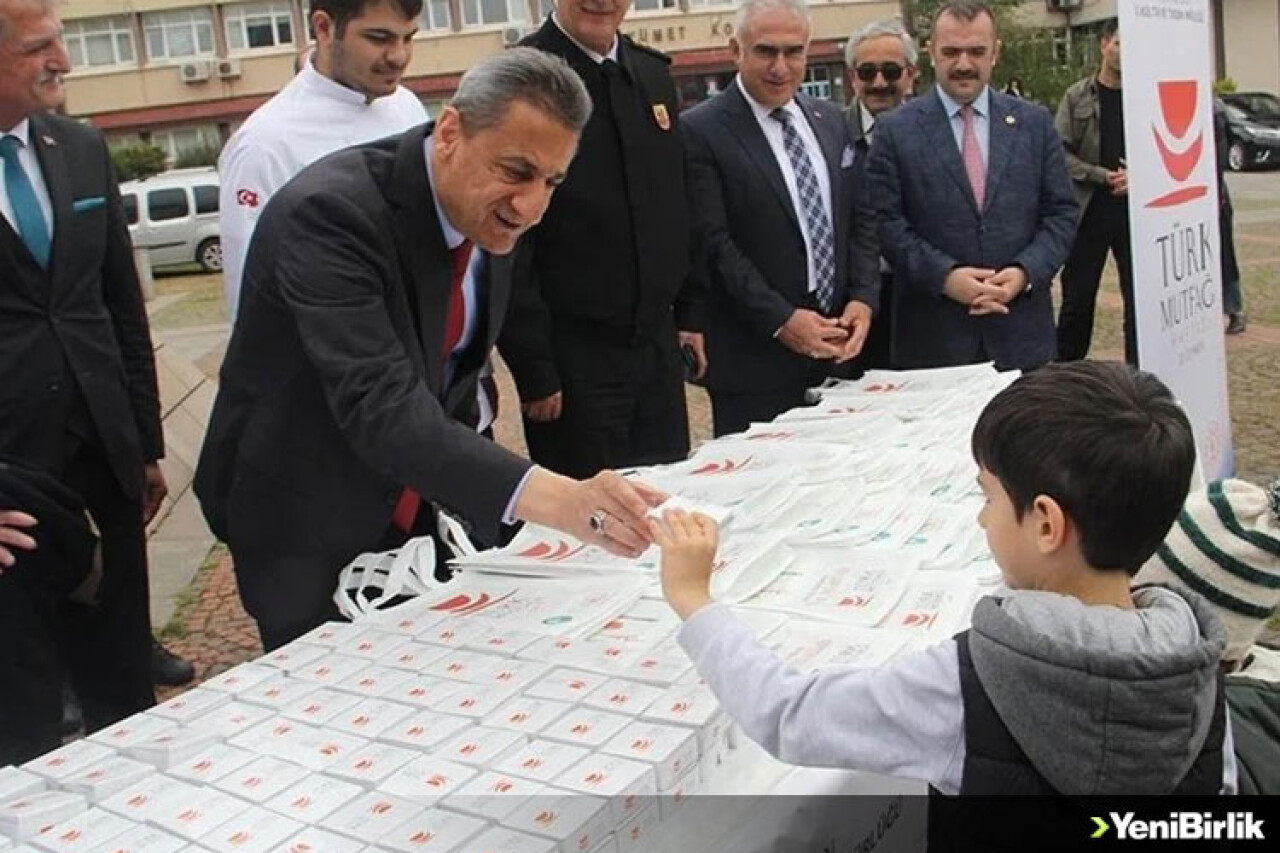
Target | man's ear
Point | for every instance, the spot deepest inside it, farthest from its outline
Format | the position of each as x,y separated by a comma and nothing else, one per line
1052,525
448,130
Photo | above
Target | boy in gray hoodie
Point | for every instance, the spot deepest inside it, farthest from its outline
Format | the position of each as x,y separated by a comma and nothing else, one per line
1071,683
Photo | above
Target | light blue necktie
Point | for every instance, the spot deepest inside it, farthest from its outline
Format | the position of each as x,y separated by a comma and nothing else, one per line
821,238
32,228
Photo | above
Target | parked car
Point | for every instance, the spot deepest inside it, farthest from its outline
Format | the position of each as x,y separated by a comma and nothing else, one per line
174,215
1253,129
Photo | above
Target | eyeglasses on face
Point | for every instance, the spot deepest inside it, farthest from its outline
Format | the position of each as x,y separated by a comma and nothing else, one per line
891,71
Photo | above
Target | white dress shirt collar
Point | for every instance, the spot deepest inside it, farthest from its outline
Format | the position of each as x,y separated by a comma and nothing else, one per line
760,110
328,87
595,57
867,119
981,104
22,130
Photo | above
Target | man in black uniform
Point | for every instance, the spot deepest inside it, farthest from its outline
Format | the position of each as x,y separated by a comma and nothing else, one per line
600,285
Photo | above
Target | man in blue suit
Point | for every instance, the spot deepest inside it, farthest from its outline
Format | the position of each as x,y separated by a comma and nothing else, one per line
975,207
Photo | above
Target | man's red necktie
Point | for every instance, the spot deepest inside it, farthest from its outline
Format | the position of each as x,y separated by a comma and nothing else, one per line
455,322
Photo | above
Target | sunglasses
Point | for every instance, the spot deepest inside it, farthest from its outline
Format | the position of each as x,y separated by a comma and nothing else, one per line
891,71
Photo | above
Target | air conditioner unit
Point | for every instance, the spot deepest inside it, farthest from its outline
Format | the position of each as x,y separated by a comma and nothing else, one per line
1064,5
228,69
511,36
193,72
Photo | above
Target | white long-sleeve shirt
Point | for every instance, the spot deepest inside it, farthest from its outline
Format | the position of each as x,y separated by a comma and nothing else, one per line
310,117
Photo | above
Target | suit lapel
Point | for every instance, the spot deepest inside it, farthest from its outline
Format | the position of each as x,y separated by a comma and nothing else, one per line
936,125
53,165
742,121
1003,127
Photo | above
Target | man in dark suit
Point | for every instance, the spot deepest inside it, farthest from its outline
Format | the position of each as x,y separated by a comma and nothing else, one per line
880,70
349,386
792,272
591,336
976,209
78,392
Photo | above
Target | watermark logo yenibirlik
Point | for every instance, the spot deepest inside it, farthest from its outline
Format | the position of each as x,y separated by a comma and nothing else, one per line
1182,826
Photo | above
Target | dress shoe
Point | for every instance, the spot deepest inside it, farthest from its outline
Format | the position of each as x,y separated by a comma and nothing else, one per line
1237,324
167,669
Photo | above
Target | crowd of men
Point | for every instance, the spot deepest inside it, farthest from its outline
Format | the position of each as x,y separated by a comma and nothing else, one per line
561,210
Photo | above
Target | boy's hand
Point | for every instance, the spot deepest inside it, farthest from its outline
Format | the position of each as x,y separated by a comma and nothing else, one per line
688,543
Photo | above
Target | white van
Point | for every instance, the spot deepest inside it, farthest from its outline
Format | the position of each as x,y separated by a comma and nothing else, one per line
174,215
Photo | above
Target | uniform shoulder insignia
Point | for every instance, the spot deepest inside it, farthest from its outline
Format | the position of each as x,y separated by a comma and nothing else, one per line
645,49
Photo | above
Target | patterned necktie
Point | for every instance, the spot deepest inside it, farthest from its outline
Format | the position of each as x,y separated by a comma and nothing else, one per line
818,226
32,227
971,154
406,511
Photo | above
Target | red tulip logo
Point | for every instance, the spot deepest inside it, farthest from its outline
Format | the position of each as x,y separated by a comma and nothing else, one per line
1179,100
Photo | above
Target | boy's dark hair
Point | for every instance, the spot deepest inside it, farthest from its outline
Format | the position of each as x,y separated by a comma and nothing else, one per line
1110,27
342,11
1103,439
965,10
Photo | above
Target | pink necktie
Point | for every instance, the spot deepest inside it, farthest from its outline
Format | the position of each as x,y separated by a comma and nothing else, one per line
972,156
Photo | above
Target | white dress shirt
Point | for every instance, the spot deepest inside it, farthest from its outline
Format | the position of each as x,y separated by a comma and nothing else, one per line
981,120
868,122
772,129
310,117
31,164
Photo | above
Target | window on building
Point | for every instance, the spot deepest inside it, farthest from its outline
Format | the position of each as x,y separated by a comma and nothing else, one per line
99,42
173,35
817,82
163,205
654,5
435,16
478,13
189,145
693,4
206,199
251,26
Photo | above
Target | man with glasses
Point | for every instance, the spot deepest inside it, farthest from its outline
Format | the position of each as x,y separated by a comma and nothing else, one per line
880,62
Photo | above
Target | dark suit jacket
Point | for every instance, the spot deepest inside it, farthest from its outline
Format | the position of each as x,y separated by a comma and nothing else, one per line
611,255
930,223
75,347
330,400
749,245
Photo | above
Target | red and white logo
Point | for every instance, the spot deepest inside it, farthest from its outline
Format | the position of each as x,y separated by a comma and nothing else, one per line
1179,104
247,198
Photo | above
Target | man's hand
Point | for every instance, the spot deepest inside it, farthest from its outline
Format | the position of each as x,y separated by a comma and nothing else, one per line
810,334
688,543
967,285
155,491
620,506
696,342
1118,181
856,318
12,523
545,410
1009,283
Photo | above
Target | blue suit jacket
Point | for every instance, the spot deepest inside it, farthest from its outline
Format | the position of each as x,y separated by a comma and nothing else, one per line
930,223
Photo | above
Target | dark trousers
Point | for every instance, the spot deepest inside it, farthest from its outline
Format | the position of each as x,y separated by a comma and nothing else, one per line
623,404
732,412
1232,297
877,351
1104,228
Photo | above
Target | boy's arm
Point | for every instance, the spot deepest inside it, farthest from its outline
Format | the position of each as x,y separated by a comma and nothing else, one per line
905,719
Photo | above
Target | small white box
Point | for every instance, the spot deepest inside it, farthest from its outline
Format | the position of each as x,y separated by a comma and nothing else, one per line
261,779
423,690
502,840
143,839
132,730
426,780
664,665
424,730
492,796
411,623
473,700
195,818
672,750
317,749
375,681
172,747
370,717
433,831
146,797
101,780
231,719
314,798
253,830
526,714
212,764
330,634
622,697
84,831
373,763
240,678
541,760
637,834
371,815
315,840
575,822
294,656
565,685
691,705
68,760
478,746
629,785
374,645
14,782
276,693
461,665
192,704
557,651
319,706
414,656
586,727
672,799
331,670
497,641
450,633
513,673
25,817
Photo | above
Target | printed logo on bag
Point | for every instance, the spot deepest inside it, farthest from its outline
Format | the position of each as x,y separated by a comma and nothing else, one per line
437,781
468,748
381,807
594,778
545,818
469,702
301,847
416,731
202,766
361,720
239,838
252,782
421,837
577,684
364,764
642,744
581,729
682,707
70,835
532,763
189,815
518,717
501,786
619,698
96,775
1179,103
303,802
330,749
